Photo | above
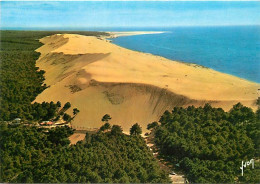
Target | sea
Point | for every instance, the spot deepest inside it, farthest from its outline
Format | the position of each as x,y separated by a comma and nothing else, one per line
233,50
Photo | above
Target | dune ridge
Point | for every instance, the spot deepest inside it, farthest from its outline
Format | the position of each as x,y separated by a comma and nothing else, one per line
99,77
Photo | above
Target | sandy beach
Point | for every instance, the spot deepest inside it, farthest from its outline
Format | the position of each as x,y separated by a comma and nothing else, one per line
99,78
132,33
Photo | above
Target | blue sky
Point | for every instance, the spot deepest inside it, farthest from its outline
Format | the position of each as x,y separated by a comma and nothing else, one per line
69,14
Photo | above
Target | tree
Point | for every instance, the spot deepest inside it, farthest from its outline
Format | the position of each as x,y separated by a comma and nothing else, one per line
106,126
152,125
258,109
75,111
258,102
66,117
49,153
219,136
67,105
57,118
58,104
136,129
106,118
116,129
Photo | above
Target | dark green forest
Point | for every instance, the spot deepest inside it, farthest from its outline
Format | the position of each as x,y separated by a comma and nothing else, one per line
29,154
209,144
20,80
206,144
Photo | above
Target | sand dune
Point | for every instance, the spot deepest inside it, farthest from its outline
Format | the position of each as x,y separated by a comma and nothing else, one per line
99,77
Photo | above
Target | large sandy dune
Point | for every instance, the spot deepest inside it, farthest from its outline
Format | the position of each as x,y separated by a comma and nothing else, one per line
100,78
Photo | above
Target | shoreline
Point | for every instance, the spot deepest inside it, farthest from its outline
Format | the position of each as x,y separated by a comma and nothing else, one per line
115,34
150,55
134,33
128,85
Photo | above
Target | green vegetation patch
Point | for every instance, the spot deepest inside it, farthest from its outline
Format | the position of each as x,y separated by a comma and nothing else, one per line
209,144
30,154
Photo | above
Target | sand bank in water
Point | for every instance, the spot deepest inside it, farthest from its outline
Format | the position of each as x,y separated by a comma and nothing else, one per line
100,78
131,33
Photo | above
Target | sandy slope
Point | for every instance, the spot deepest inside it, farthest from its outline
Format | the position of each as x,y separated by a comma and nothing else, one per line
99,77
76,137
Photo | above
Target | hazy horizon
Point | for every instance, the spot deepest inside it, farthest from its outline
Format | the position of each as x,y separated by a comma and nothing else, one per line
111,28
126,14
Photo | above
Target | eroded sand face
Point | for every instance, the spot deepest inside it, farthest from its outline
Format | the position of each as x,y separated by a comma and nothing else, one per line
100,78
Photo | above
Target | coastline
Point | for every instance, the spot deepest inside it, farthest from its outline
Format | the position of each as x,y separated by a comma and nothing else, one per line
131,86
220,52
132,33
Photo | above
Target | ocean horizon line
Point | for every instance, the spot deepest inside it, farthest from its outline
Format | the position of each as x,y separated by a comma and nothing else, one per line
119,28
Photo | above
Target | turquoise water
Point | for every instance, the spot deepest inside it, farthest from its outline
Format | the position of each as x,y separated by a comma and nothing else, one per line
232,50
